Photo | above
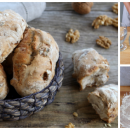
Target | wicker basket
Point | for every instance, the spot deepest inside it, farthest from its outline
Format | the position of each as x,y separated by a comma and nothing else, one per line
20,108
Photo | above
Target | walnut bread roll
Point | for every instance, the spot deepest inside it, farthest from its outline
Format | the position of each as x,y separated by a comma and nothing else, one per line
3,84
105,102
90,68
12,27
34,62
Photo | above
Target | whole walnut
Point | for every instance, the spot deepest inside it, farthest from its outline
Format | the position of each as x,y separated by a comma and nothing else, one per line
82,7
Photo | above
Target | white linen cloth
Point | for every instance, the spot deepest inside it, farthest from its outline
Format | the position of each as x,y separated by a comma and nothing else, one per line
125,76
28,10
125,17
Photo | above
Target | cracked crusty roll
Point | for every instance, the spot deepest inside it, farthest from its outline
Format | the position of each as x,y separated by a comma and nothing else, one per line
105,101
90,68
3,84
12,27
34,62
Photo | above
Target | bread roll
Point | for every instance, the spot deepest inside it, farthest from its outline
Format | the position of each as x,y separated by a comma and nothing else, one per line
34,62
3,84
105,102
12,27
90,68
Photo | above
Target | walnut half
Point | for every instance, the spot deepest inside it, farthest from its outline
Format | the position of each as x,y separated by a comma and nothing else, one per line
115,8
115,22
70,125
72,36
103,42
102,20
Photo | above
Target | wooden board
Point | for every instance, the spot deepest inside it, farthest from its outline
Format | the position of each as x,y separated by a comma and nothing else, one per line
125,55
57,20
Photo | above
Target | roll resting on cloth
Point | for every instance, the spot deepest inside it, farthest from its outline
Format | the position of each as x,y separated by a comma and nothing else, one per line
28,10
125,17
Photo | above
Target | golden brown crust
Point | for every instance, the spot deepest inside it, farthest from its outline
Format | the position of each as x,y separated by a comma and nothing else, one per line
34,62
82,7
12,26
3,83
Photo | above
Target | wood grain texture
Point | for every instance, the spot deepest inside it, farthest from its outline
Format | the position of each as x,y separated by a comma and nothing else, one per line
125,55
57,20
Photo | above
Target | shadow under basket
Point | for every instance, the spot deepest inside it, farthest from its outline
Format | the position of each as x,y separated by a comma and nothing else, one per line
20,108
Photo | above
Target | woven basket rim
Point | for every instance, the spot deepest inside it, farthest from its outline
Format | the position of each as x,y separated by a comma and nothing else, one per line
56,72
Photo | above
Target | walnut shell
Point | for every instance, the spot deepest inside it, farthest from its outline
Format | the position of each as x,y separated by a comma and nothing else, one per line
82,7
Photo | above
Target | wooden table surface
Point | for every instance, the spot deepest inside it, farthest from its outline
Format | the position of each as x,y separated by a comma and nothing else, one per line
125,55
57,20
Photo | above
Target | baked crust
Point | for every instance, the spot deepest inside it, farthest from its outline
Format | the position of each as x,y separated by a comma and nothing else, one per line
34,62
105,101
3,83
12,27
90,66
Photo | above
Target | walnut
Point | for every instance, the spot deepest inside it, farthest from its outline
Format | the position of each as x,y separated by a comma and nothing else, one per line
82,7
70,125
102,20
108,21
115,22
72,36
103,42
115,8
44,51
75,114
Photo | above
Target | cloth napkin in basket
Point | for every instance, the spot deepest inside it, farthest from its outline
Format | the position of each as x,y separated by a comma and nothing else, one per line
28,10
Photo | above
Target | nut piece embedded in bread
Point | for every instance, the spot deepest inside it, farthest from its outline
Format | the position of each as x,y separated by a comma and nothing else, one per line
12,27
105,102
34,62
3,84
90,68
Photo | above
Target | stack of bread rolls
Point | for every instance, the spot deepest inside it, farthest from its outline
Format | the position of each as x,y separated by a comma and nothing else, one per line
29,53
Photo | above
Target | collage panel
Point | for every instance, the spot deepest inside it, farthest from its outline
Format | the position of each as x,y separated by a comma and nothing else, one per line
125,97
124,33
59,64
124,64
